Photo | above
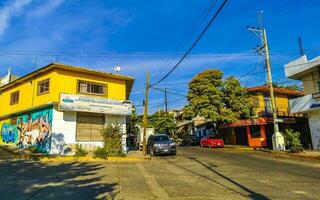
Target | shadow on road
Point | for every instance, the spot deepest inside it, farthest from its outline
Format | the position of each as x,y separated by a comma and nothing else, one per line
252,194
22,179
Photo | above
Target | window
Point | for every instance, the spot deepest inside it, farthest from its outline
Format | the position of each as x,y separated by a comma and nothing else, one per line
91,88
14,98
43,87
255,131
267,103
161,138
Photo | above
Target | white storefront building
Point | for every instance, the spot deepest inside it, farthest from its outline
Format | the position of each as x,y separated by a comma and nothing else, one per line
77,118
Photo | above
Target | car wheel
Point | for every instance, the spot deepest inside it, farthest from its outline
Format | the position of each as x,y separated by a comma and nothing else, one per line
151,153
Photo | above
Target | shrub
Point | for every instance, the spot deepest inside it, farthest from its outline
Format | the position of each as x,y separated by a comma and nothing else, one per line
80,151
292,141
111,142
100,152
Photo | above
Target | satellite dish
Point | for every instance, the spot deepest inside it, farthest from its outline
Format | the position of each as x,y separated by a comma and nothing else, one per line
117,69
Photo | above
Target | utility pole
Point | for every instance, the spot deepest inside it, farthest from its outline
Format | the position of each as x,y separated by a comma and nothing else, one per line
277,138
166,100
145,116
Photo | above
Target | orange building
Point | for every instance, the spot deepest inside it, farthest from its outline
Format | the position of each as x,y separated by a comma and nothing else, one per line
257,132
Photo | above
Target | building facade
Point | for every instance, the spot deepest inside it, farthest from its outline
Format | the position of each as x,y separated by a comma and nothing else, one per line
257,132
58,106
307,71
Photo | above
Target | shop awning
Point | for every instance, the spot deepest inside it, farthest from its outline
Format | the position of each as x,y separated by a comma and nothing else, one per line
247,122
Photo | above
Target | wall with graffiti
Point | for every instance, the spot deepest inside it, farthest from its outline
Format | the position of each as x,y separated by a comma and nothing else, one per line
29,130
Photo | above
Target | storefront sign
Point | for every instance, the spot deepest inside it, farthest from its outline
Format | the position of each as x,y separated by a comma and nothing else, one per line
69,102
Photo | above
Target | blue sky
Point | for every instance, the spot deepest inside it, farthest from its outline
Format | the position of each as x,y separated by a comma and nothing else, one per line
151,35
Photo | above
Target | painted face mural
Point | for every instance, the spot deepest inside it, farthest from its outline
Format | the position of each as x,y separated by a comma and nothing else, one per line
29,130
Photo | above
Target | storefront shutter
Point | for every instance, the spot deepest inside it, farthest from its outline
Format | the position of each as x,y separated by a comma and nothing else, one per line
89,127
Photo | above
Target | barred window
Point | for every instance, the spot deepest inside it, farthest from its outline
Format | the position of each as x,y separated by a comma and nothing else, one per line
43,87
91,88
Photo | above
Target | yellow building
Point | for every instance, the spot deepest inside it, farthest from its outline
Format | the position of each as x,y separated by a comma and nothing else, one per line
57,106
257,132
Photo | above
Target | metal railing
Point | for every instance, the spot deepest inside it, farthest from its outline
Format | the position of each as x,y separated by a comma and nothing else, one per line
268,113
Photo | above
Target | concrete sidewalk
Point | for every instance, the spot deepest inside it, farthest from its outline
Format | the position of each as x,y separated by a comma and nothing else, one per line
307,154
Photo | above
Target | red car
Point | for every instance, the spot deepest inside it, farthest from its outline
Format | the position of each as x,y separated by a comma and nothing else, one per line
211,142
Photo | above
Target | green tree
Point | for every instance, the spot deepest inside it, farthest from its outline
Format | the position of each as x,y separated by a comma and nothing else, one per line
217,100
134,121
163,123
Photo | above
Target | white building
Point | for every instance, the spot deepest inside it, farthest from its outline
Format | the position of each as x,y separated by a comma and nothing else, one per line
307,71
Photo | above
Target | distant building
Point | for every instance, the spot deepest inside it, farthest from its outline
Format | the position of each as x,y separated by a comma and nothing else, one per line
307,71
198,126
7,78
58,106
257,132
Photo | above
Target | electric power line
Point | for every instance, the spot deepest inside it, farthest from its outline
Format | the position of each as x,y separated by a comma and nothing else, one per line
194,43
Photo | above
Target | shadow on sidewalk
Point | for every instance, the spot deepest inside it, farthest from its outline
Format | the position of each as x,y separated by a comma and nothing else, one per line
21,179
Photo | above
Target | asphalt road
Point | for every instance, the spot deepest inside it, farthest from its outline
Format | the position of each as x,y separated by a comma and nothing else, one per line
195,173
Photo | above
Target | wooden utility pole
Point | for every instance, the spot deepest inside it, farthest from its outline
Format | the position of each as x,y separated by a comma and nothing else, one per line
277,138
145,116
270,84
166,100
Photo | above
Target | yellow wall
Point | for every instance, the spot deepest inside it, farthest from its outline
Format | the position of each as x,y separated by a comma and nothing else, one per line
282,102
61,81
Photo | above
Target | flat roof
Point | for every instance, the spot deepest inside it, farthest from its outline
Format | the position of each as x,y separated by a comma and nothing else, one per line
301,66
129,80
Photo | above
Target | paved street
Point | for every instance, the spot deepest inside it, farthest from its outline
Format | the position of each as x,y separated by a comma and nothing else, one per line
194,173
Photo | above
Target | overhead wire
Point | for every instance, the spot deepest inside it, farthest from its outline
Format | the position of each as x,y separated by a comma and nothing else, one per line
194,43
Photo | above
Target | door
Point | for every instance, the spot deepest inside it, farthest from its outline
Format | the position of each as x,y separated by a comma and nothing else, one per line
241,135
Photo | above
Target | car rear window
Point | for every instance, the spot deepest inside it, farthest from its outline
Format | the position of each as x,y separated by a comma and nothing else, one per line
161,138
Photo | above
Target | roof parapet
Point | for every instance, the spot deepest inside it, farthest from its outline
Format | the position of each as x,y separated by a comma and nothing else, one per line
301,66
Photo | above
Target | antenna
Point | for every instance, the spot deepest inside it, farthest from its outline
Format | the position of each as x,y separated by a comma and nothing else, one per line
117,69
259,17
301,51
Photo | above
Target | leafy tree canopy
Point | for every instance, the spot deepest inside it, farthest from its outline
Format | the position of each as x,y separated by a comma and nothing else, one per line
163,123
217,100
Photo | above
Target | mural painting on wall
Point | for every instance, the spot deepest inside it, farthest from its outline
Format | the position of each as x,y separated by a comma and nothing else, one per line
32,129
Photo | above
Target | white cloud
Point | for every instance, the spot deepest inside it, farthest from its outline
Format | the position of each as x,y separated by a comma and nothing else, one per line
46,8
9,10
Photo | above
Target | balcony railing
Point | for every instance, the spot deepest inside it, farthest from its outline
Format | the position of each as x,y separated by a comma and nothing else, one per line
280,113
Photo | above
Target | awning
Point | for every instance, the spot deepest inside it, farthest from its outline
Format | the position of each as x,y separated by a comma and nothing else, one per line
247,122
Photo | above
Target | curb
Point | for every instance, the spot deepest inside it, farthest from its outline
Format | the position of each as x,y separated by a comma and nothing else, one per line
86,158
290,154
240,148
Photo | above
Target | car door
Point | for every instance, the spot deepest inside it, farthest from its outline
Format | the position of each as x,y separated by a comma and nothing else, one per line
204,141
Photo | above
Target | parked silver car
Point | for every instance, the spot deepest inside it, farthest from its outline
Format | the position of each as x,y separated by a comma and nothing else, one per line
161,144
